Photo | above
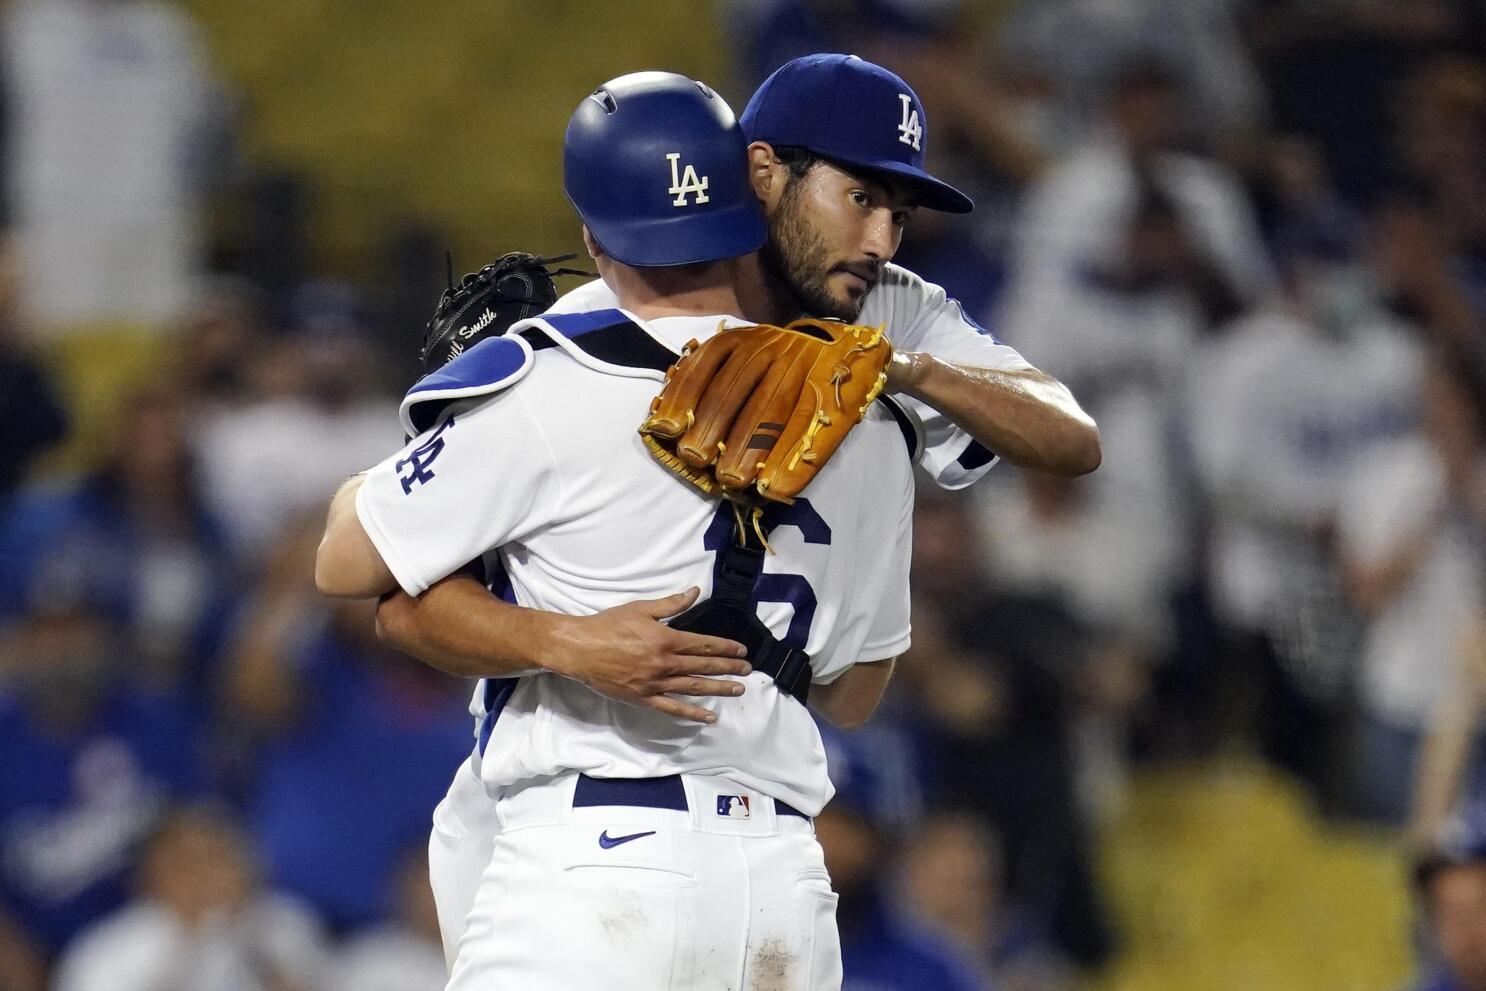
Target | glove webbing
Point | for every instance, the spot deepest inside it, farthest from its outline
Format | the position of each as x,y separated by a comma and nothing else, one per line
729,612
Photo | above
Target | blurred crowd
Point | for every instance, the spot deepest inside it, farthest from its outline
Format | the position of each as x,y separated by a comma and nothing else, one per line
1249,234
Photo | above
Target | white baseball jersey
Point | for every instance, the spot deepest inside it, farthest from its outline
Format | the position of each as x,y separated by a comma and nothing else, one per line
917,316
552,472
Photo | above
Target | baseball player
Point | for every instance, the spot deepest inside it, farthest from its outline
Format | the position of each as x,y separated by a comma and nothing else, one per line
637,849
836,158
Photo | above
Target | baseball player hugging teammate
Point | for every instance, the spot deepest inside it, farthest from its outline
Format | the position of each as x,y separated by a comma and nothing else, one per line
636,813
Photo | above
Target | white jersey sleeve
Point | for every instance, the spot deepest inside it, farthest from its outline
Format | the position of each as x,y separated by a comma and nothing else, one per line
435,505
921,316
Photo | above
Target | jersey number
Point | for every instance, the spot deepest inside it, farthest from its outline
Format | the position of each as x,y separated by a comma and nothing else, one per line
771,587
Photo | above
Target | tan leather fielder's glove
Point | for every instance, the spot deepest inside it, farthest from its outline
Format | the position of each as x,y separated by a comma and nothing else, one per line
757,411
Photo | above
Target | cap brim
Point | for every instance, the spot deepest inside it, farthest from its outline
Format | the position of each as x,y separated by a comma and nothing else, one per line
683,240
930,193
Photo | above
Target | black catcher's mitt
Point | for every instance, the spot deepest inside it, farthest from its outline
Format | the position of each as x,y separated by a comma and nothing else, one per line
486,303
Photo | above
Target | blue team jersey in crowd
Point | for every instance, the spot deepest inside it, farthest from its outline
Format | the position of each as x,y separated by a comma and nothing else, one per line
881,953
74,806
164,591
339,803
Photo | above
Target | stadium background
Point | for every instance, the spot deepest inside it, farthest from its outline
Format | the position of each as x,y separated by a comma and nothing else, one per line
1159,728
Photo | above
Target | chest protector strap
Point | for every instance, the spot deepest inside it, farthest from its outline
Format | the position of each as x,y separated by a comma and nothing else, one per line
730,612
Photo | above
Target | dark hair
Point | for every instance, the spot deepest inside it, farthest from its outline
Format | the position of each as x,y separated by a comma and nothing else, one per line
798,159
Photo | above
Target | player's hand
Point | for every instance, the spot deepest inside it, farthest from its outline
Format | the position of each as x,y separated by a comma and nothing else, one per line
626,653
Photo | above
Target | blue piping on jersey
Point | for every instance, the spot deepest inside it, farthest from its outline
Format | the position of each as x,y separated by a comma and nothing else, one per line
973,322
974,456
572,325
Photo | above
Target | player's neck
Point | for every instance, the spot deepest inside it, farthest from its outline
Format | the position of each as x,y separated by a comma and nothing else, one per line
763,299
688,290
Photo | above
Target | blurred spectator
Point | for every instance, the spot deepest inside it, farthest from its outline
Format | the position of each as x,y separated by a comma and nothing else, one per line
1410,535
215,347
880,949
1330,69
354,743
405,954
201,921
136,533
1306,216
1440,127
1130,252
32,418
109,103
1079,45
998,679
951,881
772,32
1129,210
1450,875
1417,275
1283,406
90,761
315,418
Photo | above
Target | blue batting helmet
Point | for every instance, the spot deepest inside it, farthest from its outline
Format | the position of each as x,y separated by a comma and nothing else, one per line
656,165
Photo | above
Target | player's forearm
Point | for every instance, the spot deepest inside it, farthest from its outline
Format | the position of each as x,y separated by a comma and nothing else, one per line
347,564
850,700
1442,761
1446,753
1373,585
458,627
1027,417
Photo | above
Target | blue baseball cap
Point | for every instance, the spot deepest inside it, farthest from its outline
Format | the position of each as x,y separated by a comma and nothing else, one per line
854,112
657,167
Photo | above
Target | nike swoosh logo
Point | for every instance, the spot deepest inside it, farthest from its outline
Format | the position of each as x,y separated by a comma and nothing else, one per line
609,842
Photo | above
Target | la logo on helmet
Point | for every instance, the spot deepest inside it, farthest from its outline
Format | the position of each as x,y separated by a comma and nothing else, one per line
910,132
686,182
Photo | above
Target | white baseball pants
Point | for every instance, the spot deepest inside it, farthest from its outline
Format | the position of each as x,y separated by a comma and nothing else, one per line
697,886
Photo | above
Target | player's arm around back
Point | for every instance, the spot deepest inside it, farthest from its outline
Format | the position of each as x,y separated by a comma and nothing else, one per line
1026,416
850,700
624,653
947,361
347,564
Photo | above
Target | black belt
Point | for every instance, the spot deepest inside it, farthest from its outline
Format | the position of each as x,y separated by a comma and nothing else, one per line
649,793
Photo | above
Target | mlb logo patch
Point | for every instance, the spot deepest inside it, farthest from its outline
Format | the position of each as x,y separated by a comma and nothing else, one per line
733,806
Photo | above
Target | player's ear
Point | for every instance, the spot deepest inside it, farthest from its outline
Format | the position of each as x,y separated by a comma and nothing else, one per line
767,173
591,244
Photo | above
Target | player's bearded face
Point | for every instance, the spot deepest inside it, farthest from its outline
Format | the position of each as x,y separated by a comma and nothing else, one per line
829,237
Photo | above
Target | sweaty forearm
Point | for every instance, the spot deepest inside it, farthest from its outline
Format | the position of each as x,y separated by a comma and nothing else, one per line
458,627
1027,417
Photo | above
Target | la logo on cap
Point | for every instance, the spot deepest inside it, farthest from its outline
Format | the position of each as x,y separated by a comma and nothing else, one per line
910,132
